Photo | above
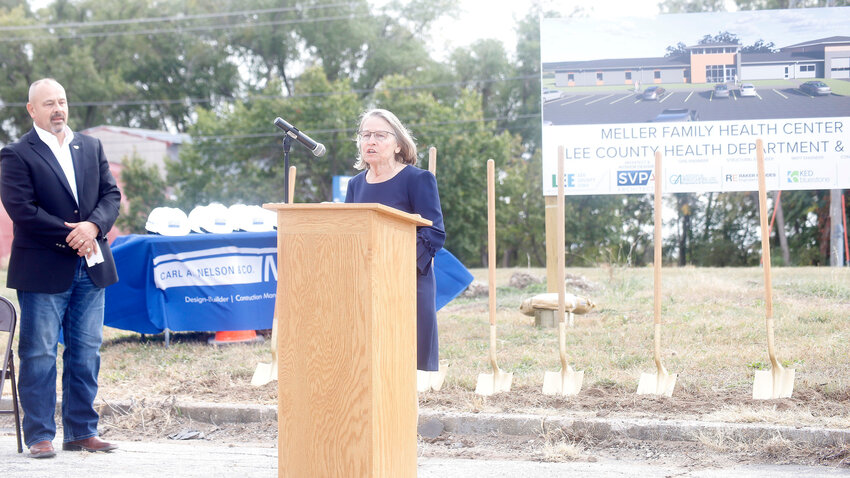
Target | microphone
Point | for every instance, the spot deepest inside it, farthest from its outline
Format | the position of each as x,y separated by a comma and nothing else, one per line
318,149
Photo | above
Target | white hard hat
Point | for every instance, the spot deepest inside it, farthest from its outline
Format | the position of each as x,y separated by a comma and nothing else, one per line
216,219
167,221
252,218
197,216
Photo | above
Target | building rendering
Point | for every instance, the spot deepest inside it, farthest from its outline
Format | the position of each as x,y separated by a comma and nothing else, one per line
712,63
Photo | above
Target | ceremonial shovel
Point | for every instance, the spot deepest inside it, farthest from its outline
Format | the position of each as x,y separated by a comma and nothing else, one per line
498,381
426,381
266,372
567,381
777,382
660,383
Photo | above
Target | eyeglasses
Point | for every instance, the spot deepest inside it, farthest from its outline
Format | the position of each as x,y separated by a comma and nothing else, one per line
380,136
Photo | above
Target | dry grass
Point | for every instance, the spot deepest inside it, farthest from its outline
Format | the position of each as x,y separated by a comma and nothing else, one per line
773,448
713,337
559,446
562,451
713,334
776,416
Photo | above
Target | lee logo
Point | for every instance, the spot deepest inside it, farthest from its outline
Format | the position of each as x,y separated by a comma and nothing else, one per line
569,180
634,177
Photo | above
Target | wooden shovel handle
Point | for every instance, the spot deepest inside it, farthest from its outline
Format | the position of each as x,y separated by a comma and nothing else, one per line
491,257
657,241
291,197
559,237
559,246
765,253
765,233
656,282
491,237
432,160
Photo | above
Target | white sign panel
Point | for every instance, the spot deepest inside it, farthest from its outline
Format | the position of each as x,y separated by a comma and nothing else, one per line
700,89
800,153
214,267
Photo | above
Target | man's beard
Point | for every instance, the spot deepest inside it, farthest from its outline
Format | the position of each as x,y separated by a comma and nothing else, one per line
55,127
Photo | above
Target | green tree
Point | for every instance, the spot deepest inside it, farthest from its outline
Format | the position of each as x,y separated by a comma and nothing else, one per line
780,4
152,73
143,189
484,67
806,214
691,6
17,71
522,221
237,156
725,232
464,142
760,47
352,40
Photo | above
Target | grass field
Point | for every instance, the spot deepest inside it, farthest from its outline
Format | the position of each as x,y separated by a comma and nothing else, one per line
713,336
713,333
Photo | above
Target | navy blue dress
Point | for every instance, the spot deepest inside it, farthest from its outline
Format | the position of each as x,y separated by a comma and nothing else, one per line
414,191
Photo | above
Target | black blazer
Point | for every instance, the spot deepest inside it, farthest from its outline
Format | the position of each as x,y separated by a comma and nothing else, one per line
38,198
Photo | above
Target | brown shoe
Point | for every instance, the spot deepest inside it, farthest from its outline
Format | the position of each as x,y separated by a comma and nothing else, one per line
42,449
92,444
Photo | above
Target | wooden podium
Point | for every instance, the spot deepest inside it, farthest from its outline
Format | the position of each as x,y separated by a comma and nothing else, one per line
346,308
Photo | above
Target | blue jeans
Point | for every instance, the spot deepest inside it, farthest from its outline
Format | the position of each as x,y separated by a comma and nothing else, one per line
78,313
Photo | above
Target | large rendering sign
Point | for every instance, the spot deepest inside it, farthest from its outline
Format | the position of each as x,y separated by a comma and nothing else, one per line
717,83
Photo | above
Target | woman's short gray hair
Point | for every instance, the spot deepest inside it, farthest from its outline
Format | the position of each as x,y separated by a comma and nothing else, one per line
406,141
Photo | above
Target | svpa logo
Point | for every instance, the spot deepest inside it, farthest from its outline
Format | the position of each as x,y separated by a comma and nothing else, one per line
638,177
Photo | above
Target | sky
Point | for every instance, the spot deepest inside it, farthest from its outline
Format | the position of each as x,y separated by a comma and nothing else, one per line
481,19
485,19
609,22
634,37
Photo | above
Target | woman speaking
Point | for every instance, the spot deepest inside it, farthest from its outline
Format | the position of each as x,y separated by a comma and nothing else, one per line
387,156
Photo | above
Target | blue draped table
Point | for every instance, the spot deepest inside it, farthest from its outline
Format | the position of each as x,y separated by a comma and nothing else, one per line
214,282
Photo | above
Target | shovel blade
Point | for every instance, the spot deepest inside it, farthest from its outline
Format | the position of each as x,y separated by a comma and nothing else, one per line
657,384
490,383
264,374
565,382
428,381
775,383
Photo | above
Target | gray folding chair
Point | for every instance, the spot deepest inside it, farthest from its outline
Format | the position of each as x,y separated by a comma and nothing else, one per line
8,320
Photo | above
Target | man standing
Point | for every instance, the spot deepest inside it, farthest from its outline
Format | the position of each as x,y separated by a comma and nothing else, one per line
57,188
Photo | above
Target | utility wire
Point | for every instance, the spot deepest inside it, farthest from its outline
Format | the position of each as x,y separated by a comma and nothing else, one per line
352,130
419,126
191,101
184,29
173,18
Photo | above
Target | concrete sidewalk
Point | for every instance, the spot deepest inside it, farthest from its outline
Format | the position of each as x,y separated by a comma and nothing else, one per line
432,423
199,459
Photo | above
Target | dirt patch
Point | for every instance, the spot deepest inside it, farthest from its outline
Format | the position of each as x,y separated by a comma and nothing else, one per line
685,404
713,338
157,419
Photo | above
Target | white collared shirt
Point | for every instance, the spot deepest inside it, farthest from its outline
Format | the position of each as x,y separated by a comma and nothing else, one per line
62,152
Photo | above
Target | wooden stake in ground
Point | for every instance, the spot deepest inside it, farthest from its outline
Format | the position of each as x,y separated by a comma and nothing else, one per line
777,382
498,381
567,381
661,382
426,381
